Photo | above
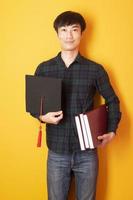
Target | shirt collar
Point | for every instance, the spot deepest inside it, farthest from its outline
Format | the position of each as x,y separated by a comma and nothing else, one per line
78,59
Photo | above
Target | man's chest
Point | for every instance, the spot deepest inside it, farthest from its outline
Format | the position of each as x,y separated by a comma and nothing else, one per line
75,80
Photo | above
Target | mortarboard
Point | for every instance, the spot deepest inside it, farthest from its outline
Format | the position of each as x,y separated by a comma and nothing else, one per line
43,95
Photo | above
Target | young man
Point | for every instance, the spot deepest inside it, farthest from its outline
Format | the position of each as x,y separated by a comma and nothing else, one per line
81,79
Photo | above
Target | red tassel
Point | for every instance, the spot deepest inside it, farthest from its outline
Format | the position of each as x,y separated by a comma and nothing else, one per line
39,141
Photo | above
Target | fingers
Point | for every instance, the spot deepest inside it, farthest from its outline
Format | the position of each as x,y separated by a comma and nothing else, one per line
103,140
101,137
106,138
57,113
58,118
52,117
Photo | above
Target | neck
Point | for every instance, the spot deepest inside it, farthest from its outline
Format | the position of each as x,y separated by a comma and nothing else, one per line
68,57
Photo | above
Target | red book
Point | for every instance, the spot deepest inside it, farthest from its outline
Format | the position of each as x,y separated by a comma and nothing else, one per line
90,125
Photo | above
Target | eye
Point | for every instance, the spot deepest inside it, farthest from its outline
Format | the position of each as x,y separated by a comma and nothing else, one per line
75,29
63,29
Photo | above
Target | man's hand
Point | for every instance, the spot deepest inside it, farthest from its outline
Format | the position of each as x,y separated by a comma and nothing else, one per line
106,138
52,117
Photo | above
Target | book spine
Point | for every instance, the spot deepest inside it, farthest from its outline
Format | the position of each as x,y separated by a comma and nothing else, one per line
88,131
79,130
85,136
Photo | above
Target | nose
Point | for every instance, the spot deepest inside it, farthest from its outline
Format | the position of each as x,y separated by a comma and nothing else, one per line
69,34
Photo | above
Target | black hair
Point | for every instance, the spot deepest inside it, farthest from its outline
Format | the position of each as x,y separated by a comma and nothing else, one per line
69,18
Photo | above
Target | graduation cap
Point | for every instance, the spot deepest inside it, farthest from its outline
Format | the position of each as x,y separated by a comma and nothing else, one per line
43,95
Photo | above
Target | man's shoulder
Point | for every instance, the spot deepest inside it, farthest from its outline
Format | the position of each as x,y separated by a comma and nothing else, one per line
91,63
49,62
46,65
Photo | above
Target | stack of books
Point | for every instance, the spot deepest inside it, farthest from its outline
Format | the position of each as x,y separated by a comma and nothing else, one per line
91,125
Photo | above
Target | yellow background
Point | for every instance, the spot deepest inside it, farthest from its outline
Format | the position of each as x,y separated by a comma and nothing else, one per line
26,39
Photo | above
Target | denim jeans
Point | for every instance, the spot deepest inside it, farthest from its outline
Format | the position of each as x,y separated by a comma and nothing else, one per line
83,164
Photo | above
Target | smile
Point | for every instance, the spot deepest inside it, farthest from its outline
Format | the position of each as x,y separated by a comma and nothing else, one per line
69,41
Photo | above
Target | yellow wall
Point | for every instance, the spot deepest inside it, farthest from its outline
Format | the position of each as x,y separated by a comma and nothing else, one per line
27,38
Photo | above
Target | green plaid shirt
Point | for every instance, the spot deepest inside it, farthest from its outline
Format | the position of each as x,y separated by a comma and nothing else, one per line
80,80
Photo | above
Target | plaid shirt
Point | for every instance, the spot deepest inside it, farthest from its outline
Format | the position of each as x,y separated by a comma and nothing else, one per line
80,80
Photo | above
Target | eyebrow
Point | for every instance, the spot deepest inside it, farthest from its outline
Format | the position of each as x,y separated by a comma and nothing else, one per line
75,26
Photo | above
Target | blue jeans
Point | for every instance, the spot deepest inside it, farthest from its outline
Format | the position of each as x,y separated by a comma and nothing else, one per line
83,164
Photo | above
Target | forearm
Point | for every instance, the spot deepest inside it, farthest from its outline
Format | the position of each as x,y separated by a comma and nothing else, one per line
114,115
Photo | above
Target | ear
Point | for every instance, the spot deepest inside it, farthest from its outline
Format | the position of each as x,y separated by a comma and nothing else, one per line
58,35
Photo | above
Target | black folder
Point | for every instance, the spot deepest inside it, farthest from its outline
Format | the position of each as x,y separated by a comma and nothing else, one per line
43,93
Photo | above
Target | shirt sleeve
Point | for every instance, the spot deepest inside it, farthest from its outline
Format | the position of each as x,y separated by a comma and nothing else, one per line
105,89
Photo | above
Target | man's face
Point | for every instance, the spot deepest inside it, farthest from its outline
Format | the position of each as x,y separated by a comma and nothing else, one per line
69,37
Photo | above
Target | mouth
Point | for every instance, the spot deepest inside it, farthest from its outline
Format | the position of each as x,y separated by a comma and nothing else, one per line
69,42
